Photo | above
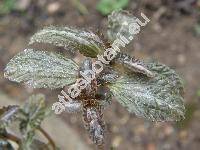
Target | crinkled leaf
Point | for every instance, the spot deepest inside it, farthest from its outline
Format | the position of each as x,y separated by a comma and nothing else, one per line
157,99
88,43
119,23
35,111
132,64
107,6
8,114
40,69
73,106
94,124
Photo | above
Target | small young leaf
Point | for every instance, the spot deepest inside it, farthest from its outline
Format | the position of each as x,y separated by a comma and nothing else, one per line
40,69
94,124
108,75
107,6
88,43
7,115
132,64
157,99
119,23
73,106
35,111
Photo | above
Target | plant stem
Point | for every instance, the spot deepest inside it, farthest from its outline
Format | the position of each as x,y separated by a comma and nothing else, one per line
51,142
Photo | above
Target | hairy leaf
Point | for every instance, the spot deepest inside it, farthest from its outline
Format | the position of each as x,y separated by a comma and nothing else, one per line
107,6
94,124
132,64
119,23
73,106
108,75
34,111
40,69
157,99
7,115
71,39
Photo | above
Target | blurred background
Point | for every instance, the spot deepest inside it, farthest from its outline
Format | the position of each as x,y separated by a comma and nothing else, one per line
172,37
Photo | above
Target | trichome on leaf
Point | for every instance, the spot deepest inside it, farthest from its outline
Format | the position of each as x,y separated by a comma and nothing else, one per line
150,90
27,120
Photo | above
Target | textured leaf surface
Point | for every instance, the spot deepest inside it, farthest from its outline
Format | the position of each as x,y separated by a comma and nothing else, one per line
94,124
157,99
34,111
40,69
132,64
7,115
73,106
86,42
118,23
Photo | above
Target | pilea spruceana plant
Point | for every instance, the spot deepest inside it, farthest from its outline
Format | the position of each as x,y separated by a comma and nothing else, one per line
151,90
20,125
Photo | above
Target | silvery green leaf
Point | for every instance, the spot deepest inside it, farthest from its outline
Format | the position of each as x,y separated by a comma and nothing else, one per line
118,23
88,43
40,69
132,64
7,115
108,75
73,106
157,99
35,109
94,124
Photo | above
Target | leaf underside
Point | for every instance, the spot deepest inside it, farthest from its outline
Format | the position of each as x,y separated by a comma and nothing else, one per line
156,99
88,43
40,69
